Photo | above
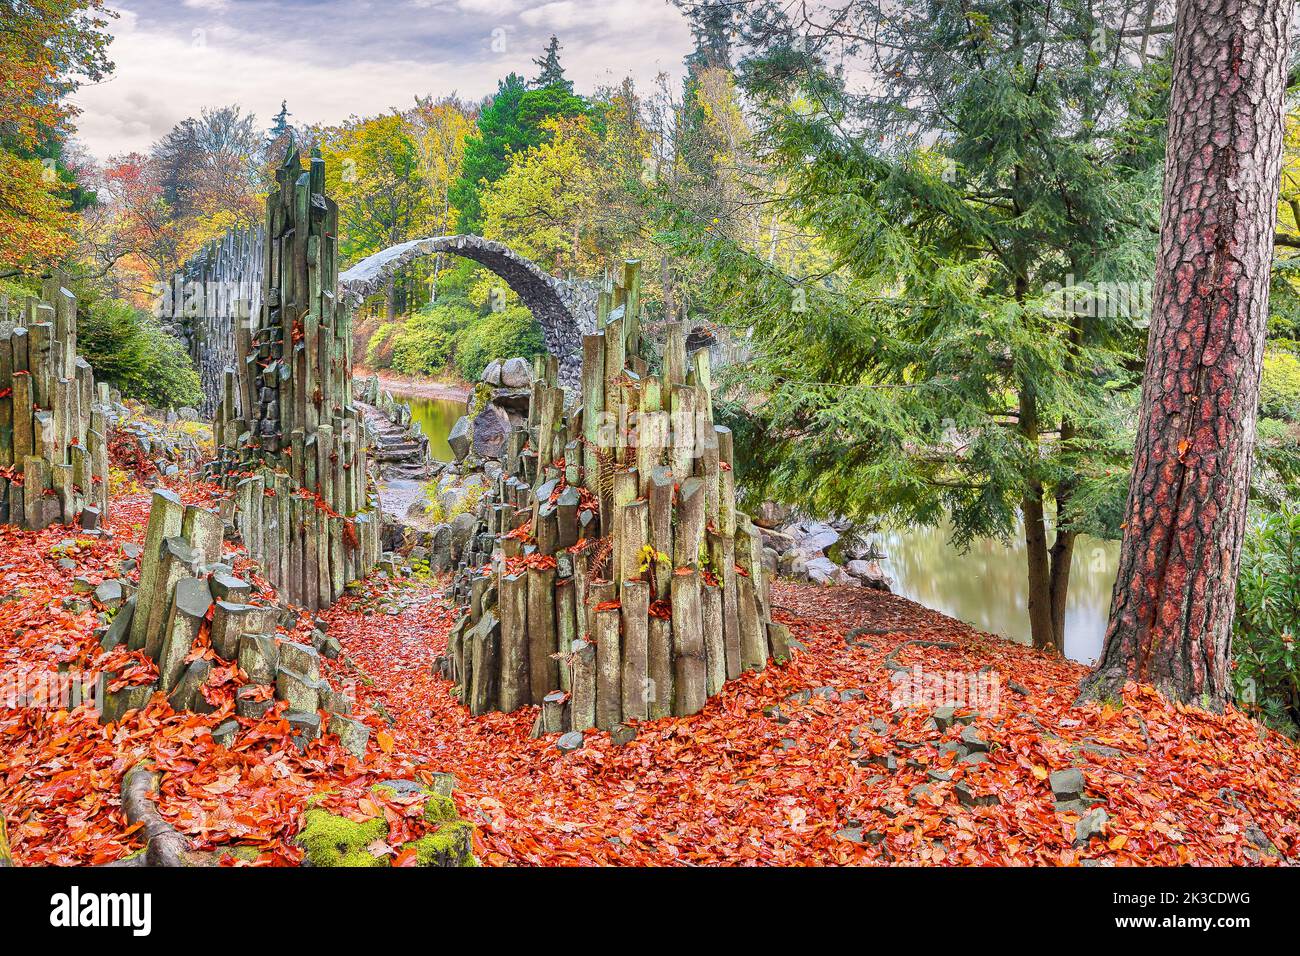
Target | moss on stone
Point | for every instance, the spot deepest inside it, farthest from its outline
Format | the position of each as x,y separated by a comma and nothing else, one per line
332,840
450,845
440,809
246,853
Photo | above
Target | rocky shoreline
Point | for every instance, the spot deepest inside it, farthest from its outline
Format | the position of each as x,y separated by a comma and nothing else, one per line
796,548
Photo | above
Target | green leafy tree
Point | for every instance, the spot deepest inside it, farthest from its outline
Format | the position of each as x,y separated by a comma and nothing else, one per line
128,348
513,122
940,367
375,171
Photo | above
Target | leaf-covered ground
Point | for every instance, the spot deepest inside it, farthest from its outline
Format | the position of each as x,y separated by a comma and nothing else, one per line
766,774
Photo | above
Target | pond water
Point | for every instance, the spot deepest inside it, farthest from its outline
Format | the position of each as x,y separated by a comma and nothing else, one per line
985,586
436,417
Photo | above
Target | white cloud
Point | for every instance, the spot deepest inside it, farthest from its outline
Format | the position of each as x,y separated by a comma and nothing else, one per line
167,71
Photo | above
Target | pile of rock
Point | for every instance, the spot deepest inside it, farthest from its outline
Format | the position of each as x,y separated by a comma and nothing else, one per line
184,583
498,404
289,437
400,446
611,578
162,438
795,547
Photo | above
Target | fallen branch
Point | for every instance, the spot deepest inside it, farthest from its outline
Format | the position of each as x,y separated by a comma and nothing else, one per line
163,845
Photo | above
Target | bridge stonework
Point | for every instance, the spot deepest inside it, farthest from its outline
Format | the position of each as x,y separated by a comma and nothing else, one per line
564,308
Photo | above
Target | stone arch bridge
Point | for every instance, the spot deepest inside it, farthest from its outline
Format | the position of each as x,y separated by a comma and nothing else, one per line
564,308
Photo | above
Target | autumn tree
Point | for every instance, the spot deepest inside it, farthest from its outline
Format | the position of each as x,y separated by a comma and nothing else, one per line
373,170
47,47
511,122
441,129
1171,614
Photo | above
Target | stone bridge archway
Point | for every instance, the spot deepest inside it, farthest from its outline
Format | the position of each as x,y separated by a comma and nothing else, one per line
565,309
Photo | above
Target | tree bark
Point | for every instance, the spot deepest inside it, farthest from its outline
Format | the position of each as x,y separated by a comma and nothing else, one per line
1036,552
1171,614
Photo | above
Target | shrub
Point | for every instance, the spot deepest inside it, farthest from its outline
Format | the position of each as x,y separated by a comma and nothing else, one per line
129,349
1265,659
498,335
1279,388
455,335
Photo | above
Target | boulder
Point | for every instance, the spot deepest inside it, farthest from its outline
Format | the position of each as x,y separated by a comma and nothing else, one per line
299,690
252,700
304,726
352,734
771,514
569,742
110,593
188,693
300,658
821,570
871,574
259,657
491,428
516,373
120,628
1067,784
492,374
816,537
1092,824
225,733
459,437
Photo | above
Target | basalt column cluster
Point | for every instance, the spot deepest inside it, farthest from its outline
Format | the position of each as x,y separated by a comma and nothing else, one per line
53,455
211,302
290,441
612,578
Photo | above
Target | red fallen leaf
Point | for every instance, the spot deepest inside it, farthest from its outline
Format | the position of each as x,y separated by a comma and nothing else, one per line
406,858
608,606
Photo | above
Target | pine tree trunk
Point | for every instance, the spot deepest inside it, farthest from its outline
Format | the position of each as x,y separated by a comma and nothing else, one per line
1171,614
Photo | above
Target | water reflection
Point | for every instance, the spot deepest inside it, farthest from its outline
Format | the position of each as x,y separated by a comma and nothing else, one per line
436,416
987,587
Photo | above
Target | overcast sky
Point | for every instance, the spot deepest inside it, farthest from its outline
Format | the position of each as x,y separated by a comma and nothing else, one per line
331,59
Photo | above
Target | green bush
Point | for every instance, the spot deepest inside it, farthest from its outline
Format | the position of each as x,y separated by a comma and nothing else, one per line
1279,388
426,342
498,335
129,349
1266,664
455,335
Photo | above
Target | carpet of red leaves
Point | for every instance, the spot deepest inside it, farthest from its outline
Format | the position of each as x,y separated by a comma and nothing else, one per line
730,785
60,770
733,786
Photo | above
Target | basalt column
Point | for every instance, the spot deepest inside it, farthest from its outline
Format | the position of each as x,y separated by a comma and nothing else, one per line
290,441
612,578
53,455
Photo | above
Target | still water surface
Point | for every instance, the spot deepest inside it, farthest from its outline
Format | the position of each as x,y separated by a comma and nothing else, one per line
985,587
436,417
